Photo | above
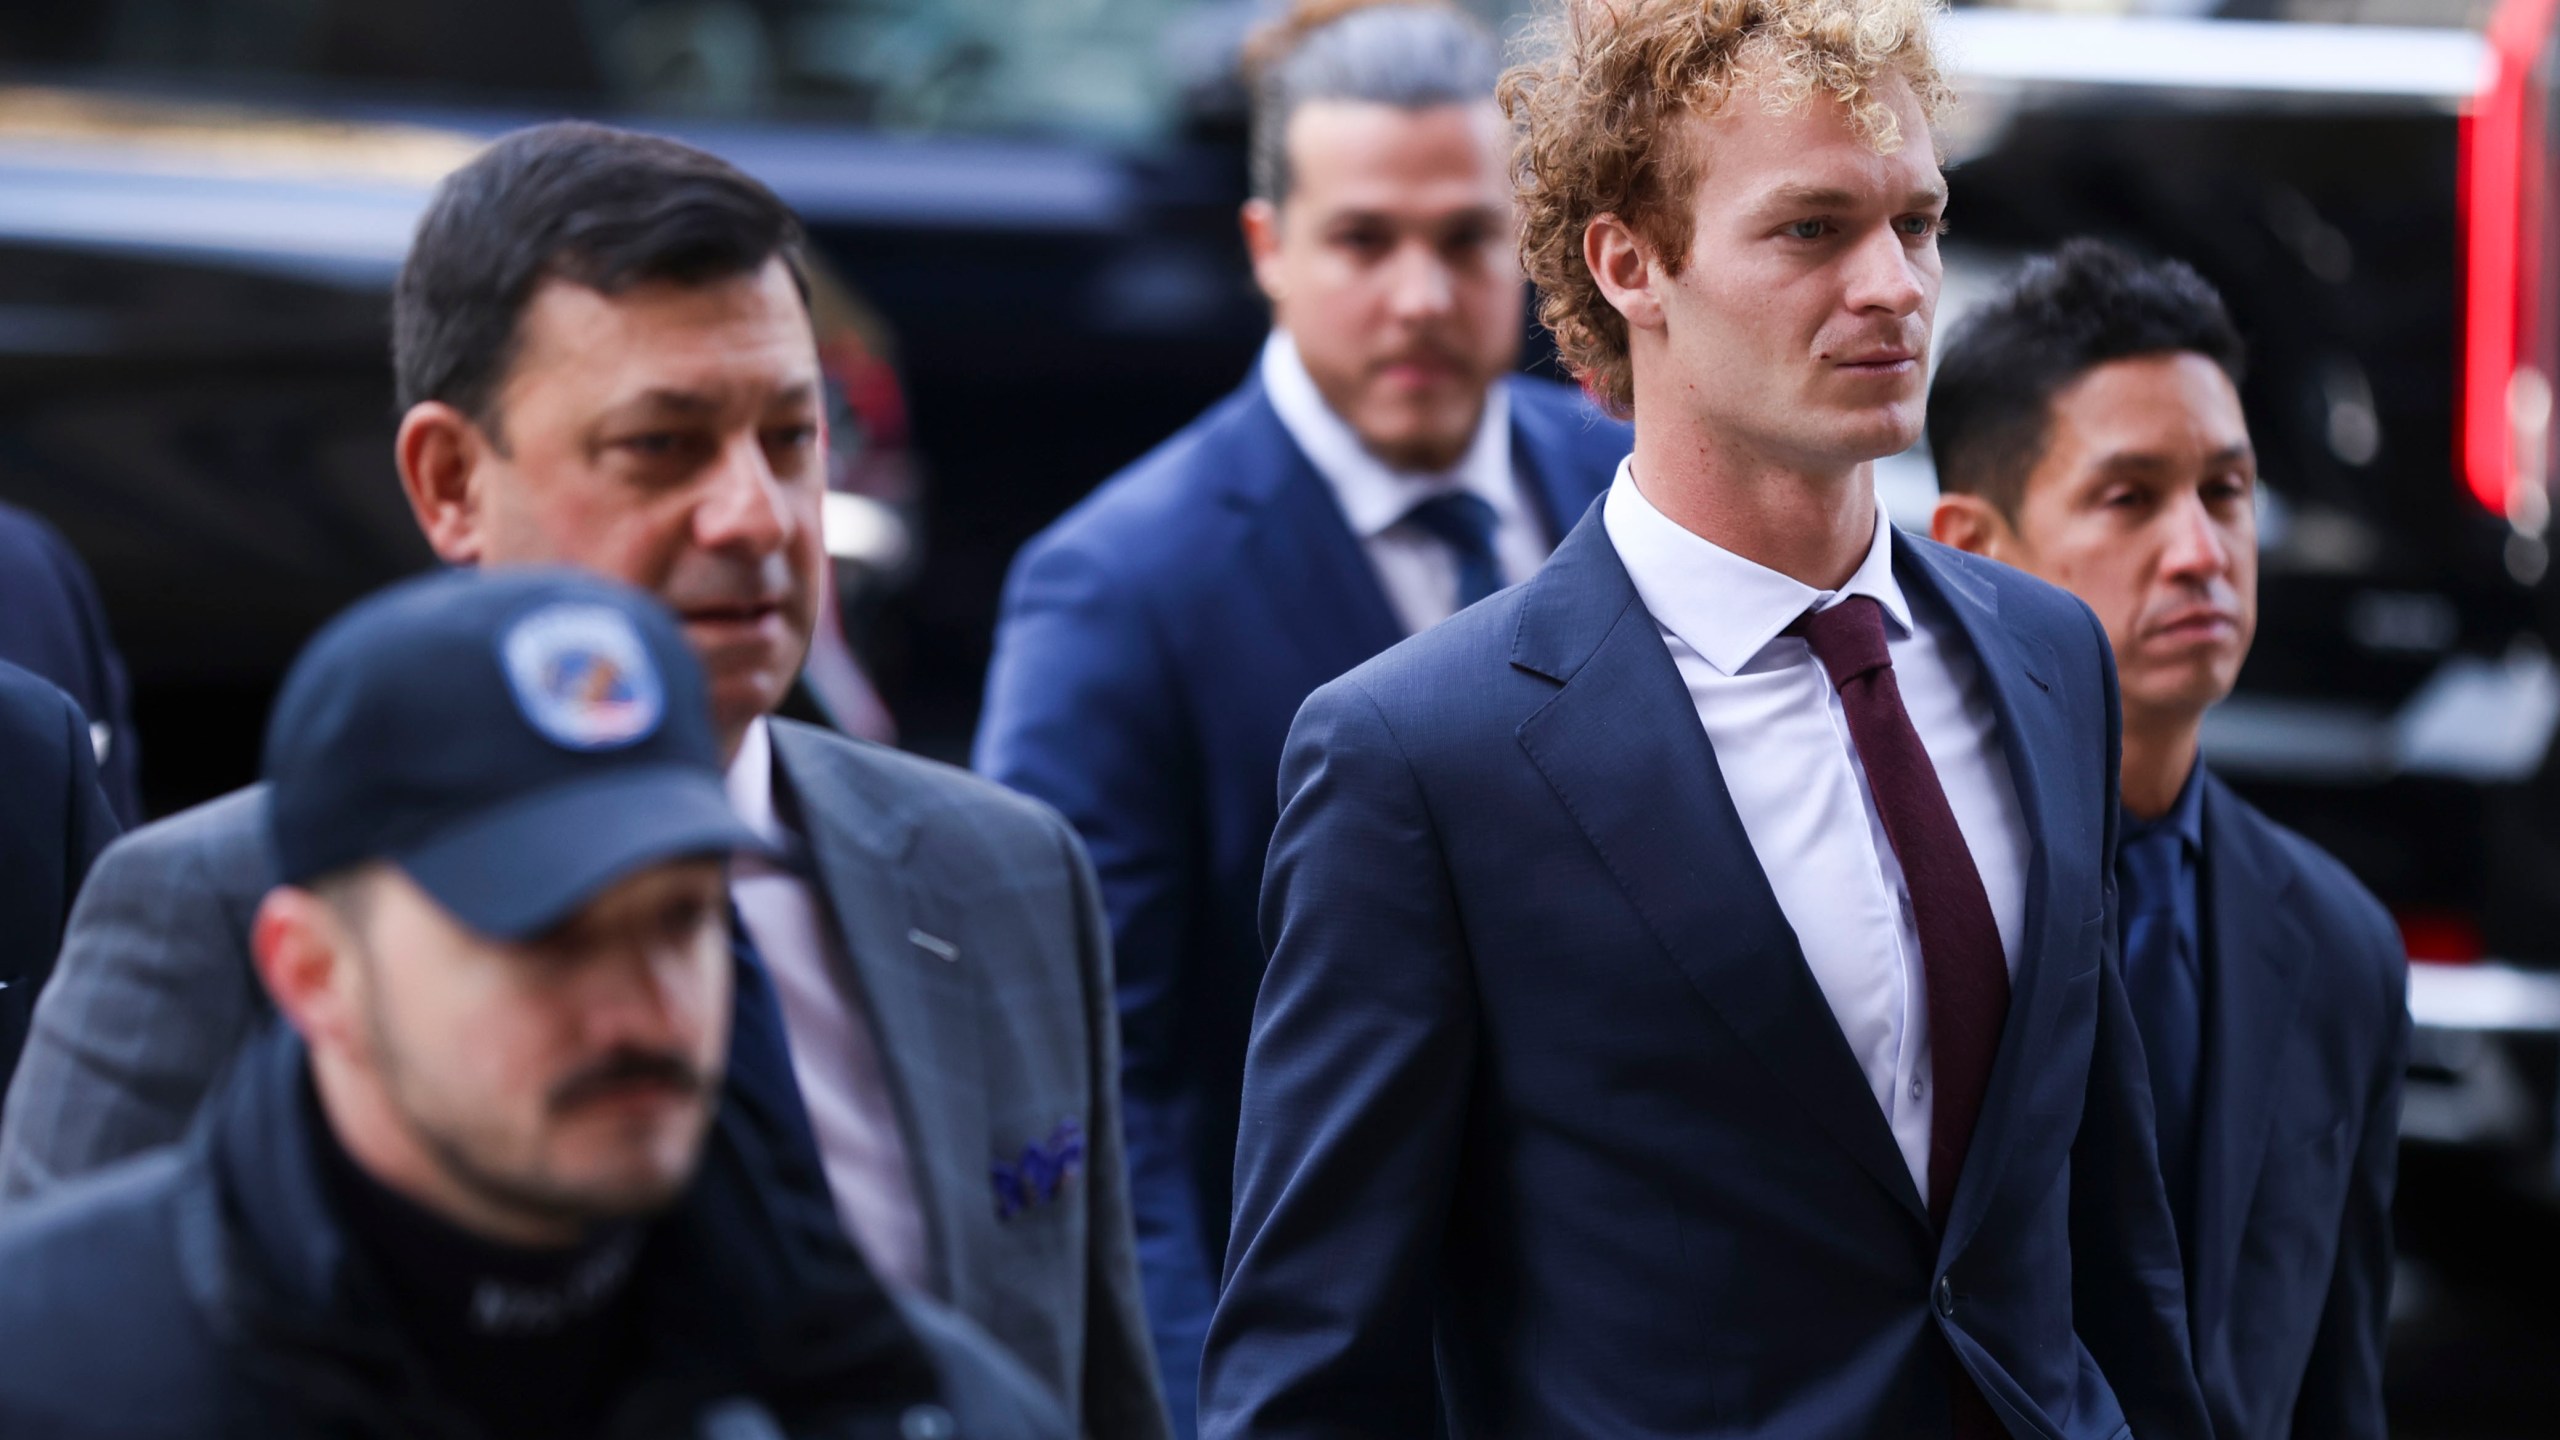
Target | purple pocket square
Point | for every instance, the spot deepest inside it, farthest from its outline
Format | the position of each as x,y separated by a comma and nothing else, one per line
1044,1168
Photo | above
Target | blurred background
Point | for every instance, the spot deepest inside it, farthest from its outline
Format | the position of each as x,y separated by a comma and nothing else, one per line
1025,213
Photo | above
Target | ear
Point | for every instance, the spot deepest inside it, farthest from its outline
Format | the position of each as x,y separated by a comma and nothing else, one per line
1623,269
1261,221
1971,523
440,452
306,959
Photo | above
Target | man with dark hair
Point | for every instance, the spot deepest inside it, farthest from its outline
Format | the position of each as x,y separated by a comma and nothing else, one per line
480,1182
1689,1009
54,819
2087,428
1380,469
608,363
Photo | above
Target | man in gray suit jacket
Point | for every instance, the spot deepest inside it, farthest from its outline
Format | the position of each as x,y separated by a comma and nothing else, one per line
606,358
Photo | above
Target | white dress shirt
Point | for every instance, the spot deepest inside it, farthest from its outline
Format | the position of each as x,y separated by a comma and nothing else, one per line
1782,742
1416,568
833,1053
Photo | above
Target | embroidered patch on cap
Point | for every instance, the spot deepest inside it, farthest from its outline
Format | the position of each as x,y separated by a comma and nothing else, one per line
582,676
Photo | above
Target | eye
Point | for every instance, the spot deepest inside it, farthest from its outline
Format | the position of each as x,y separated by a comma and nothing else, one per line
1922,227
1806,229
1364,243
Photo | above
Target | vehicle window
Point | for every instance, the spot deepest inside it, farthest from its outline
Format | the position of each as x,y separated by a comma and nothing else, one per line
1106,68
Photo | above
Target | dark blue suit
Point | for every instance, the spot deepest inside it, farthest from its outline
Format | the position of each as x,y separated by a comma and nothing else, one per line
1154,645
2306,1033
1546,1120
53,821
51,623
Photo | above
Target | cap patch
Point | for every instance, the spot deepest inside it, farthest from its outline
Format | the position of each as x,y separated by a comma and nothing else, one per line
582,677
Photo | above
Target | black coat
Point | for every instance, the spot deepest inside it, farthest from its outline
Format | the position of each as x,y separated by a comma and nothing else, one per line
53,822
52,624
206,1292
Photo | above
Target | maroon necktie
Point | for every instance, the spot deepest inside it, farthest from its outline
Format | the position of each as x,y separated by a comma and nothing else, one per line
1967,972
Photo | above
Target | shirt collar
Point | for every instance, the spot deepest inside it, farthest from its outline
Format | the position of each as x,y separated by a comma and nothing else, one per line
1373,496
1721,605
750,783
2184,817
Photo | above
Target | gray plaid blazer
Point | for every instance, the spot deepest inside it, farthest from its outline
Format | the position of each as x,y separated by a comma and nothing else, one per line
980,953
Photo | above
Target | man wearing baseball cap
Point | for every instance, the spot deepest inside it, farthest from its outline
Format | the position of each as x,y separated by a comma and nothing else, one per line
482,1179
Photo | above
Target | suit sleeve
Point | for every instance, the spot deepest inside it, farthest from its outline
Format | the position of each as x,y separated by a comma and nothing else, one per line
2342,1385
1122,1396
1082,712
2129,1300
1355,1100
151,996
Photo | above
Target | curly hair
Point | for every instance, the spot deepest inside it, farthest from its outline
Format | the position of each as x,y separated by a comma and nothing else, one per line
1599,122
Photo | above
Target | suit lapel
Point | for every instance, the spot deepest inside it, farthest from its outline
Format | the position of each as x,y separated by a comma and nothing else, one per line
2252,995
1621,745
921,1007
2017,671
1326,594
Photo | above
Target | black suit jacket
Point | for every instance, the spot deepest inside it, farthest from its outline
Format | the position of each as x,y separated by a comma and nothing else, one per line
52,624
53,822
2306,1037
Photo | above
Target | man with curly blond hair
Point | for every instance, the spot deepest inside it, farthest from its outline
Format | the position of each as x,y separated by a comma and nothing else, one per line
1691,1007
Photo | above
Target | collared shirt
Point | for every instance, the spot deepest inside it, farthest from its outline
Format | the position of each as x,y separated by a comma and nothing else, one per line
1415,567
834,1055
1782,744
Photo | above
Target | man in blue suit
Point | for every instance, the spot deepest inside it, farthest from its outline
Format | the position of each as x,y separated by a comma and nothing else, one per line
1691,1006
53,821
52,623
2088,429
1381,468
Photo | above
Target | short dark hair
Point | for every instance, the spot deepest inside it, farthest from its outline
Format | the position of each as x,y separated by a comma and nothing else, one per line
2086,305
589,204
1411,54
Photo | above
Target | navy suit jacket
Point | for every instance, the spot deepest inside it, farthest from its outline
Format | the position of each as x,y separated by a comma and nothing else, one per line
1155,643
2306,1038
1545,1118
51,623
53,821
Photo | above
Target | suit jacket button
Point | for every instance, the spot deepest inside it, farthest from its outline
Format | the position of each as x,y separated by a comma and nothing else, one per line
1946,1298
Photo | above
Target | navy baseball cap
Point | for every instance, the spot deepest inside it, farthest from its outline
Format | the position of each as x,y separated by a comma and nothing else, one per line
515,741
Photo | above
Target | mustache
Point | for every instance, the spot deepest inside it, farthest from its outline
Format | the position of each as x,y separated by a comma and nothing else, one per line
628,1067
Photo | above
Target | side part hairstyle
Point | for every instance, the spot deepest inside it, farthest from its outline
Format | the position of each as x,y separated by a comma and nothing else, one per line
597,207
1410,54
2086,305
1601,123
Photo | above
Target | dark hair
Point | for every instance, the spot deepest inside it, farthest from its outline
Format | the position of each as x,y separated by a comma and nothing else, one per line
2086,305
595,206
1411,54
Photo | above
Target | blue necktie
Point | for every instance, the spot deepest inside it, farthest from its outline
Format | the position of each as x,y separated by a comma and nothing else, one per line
2163,980
1464,523
761,1083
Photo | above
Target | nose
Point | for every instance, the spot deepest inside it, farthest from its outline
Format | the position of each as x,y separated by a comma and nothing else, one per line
638,996
2197,549
1420,286
742,507
1884,278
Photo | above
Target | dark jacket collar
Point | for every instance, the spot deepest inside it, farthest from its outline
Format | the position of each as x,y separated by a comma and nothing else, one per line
747,1291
